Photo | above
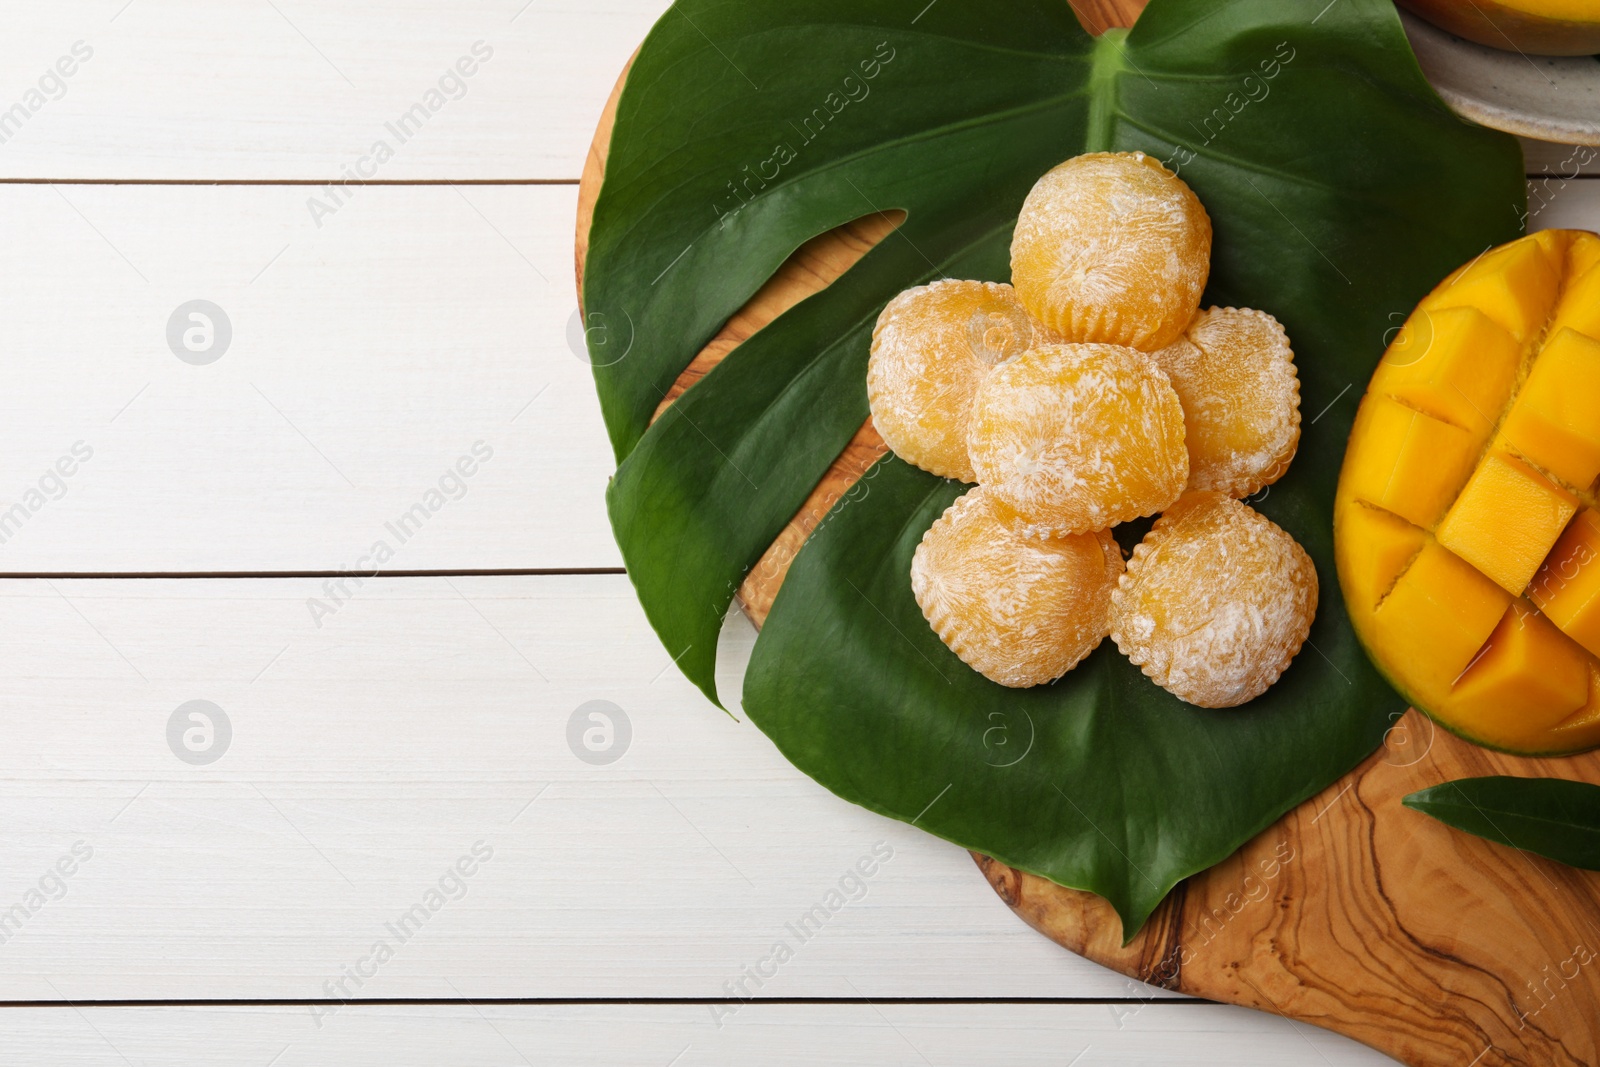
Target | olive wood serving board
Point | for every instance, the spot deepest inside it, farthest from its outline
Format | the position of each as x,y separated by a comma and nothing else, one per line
1351,912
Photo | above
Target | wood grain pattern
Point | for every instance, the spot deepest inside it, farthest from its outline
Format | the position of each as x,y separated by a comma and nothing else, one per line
1351,912
1355,913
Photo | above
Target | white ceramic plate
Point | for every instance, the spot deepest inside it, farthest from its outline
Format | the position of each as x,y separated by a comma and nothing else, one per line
1549,98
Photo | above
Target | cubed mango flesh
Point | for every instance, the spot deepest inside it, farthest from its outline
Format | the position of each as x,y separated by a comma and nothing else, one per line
1567,587
1506,520
1456,364
1583,255
1515,285
1555,420
1528,678
1410,463
1374,547
1471,480
1437,618
1585,722
1580,304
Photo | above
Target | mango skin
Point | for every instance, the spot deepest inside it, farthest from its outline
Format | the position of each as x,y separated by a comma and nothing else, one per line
1478,658
1540,27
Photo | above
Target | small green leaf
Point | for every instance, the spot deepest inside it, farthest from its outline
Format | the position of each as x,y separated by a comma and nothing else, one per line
1553,817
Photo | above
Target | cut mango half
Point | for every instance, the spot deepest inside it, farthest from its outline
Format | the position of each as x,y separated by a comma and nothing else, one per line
1466,525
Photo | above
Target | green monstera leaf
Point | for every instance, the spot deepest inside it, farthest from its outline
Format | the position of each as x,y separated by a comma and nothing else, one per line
1340,190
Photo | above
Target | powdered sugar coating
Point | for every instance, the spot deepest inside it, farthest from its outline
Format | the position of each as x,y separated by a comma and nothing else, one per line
1234,373
1215,602
933,346
1019,611
1072,438
1112,247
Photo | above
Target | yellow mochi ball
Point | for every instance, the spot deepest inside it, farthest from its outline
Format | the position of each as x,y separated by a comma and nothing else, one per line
1215,602
1234,373
932,347
1020,611
1073,438
1112,247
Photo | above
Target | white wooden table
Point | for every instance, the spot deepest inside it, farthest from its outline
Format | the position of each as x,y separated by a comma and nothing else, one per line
400,746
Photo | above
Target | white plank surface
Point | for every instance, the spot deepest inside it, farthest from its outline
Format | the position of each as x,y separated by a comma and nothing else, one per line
367,356
1546,159
1570,204
774,1035
292,89
367,756
295,90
